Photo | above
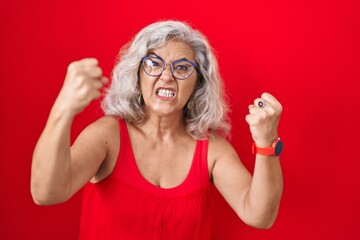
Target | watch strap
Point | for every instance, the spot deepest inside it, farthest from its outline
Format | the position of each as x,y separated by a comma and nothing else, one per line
268,151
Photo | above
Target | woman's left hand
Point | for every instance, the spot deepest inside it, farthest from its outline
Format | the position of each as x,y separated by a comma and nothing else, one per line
263,119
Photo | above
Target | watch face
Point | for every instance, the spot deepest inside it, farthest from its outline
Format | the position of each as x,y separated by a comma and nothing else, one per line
278,148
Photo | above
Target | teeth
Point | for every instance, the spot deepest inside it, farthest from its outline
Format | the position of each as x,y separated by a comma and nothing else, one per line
166,93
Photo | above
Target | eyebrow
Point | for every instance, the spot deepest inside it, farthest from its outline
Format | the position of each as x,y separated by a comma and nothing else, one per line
181,59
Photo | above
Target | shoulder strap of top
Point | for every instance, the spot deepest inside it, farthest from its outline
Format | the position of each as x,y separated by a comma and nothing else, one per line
124,159
200,164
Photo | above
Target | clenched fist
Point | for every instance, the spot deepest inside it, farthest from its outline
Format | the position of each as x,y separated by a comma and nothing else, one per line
263,119
82,84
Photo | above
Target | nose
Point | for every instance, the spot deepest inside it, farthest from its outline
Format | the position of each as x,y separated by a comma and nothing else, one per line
167,75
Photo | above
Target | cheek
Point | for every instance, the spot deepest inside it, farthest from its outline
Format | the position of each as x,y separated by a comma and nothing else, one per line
185,94
141,80
189,88
145,86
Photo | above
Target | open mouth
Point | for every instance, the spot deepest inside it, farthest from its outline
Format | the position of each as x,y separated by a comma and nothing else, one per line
165,93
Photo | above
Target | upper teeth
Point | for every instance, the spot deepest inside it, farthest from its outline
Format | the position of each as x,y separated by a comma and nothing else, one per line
166,93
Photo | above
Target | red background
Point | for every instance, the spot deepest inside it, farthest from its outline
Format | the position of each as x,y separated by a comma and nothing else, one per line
307,53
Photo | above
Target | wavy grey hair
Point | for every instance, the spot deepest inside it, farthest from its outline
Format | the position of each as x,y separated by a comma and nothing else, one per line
208,110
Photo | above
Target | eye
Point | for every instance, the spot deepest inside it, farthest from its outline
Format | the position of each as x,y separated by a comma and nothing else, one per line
182,67
153,62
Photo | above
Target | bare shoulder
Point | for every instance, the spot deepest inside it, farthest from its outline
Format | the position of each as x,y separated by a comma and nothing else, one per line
102,132
219,146
104,124
220,150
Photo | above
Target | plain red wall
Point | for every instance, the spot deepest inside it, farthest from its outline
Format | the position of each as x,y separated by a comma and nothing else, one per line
307,53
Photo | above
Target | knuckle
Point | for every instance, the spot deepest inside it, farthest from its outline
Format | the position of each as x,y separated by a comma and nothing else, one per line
256,120
80,79
262,115
93,71
74,73
87,88
98,84
272,111
89,61
265,95
96,72
99,71
73,65
94,61
247,118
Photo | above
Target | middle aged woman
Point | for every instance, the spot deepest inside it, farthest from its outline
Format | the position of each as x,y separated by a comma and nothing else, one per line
155,157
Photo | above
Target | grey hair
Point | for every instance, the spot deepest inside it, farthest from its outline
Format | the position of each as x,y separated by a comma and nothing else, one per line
208,110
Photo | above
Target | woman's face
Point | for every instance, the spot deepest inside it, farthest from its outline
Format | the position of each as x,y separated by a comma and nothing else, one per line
164,95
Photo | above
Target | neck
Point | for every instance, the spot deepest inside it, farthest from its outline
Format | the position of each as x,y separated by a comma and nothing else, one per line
164,127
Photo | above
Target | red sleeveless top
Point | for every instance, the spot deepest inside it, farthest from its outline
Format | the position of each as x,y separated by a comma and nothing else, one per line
126,206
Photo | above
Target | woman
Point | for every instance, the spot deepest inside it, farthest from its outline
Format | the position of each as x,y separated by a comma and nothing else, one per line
153,159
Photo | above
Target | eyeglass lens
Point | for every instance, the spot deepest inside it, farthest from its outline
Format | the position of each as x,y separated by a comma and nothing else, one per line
154,66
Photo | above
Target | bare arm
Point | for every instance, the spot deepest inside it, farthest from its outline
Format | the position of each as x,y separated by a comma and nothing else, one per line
57,171
254,198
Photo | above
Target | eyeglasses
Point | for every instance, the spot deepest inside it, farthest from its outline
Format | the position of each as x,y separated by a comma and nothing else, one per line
180,69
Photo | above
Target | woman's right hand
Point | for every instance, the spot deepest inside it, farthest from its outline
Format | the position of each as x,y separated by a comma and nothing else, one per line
83,83
58,171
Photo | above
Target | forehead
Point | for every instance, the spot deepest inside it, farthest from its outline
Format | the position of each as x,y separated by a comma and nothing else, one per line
173,50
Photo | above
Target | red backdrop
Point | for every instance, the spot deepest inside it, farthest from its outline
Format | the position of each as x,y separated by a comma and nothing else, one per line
307,53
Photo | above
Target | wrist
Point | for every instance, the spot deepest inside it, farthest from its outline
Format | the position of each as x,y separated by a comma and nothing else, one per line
59,112
266,140
274,149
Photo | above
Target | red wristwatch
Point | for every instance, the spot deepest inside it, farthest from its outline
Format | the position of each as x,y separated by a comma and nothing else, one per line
275,149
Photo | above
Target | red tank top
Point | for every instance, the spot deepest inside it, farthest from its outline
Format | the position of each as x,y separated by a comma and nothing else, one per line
126,206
